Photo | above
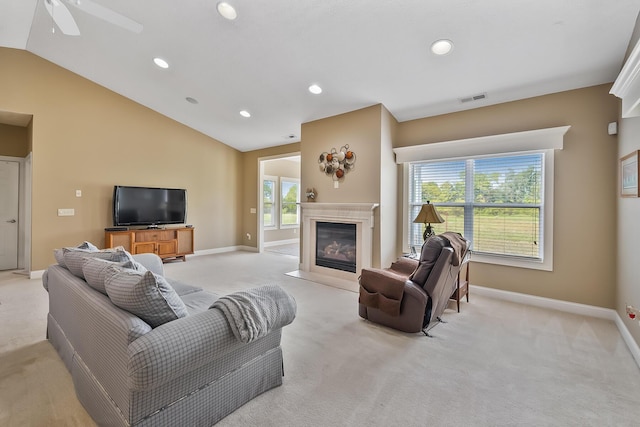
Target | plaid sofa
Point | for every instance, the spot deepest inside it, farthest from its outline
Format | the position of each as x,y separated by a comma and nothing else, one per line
191,371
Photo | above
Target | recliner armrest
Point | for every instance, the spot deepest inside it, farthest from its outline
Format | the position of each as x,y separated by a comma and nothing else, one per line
374,279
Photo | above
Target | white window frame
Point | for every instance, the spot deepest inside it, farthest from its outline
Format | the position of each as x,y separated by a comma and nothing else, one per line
542,140
276,210
281,203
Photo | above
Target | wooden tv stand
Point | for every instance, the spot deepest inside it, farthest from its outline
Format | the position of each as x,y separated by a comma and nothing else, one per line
164,242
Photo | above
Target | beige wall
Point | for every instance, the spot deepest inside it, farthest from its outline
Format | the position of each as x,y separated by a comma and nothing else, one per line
14,141
628,289
282,168
585,189
361,130
390,208
97,139
250,167
88,138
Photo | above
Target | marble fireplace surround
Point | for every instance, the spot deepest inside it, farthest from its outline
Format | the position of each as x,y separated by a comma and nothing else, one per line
360,214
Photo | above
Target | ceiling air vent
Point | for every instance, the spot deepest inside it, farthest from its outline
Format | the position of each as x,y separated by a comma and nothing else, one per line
473,98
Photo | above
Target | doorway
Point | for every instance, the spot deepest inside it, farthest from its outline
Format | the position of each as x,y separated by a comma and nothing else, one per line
279,193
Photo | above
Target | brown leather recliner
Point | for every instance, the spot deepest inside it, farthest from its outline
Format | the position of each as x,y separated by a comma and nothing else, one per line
411,295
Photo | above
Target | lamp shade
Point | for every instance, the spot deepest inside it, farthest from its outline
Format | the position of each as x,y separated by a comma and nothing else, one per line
428,214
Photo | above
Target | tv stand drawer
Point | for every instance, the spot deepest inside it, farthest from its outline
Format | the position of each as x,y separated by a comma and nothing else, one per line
155,235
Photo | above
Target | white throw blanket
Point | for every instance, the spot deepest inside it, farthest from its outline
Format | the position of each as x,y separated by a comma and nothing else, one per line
257,311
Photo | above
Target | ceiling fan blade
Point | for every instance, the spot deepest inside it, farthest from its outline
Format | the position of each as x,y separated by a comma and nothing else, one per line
62,17
106,14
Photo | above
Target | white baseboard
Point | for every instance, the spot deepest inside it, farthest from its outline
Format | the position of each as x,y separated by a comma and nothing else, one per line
225,249
628,338
567,307
37,274
281,242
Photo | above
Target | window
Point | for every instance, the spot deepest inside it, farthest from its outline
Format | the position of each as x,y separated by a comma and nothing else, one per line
496,201
484,181
289,199
269,201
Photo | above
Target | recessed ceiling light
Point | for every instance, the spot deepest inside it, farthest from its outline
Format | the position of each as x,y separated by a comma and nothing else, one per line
227,11
442,47
161,62
245,113
315,89
191,100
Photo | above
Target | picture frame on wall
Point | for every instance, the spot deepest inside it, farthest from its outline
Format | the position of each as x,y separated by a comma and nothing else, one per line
629,175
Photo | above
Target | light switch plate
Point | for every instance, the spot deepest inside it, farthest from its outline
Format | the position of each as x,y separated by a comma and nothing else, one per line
78,193
66,212
252,210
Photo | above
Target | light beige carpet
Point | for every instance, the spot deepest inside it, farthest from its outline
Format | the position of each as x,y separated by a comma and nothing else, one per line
494,364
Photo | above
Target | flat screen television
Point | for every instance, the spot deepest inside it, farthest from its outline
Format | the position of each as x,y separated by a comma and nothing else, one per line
148,206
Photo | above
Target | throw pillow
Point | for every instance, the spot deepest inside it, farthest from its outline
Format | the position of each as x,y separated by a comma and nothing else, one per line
74,258
84,246
146,295
94,270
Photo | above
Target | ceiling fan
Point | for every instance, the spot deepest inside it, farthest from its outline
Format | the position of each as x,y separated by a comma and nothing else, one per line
64,19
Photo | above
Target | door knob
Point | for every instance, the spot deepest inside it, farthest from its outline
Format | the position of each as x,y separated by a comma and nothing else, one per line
12,221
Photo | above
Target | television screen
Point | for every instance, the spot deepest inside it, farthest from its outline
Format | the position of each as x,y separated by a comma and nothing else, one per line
148,206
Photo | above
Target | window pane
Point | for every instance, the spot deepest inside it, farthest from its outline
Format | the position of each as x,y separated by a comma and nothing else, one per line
495,201
453,217
268,214
268,188
438,182
507,231
453,220
290,198
514,179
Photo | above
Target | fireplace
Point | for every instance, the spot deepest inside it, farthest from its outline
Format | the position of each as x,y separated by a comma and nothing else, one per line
352,225
336,246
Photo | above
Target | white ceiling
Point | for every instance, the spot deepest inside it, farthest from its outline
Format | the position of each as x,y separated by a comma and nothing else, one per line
362,52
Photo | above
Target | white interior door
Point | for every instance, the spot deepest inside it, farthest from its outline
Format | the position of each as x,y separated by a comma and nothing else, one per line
9,173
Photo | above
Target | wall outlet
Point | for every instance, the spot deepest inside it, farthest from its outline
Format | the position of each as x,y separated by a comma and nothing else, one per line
66,212
78,193
248,236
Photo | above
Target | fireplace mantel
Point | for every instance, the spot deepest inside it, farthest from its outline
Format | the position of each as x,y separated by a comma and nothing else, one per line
358,211
361,214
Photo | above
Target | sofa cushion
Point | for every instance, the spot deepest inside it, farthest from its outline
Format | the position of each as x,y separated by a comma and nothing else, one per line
197,302
431,250
84,246
74,258
94,270
181,288
146,295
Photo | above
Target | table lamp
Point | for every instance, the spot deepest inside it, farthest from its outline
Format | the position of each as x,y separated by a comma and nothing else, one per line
427,215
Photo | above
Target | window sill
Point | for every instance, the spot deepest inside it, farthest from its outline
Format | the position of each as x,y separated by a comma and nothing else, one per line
545,265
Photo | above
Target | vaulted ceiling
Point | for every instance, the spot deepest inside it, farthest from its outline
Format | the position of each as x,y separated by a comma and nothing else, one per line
361,52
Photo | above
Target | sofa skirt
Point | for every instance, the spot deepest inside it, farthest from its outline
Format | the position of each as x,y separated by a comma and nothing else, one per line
203,407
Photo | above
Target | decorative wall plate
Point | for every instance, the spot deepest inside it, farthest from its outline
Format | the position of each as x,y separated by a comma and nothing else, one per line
337,163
